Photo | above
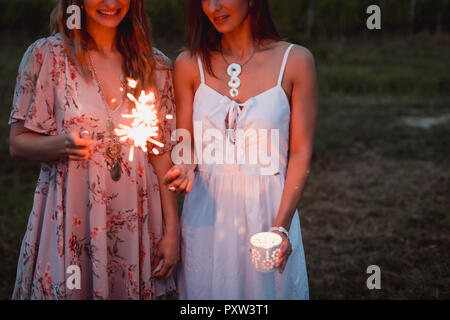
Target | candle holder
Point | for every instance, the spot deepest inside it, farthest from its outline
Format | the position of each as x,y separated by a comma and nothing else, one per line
265,250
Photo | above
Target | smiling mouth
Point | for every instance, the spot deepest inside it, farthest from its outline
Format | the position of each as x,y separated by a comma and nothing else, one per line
221,19
109,13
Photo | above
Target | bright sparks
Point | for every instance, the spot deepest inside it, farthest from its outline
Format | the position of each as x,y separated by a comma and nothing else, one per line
132,83
144,127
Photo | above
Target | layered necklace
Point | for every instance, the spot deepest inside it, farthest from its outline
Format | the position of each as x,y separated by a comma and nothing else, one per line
234,70
114,148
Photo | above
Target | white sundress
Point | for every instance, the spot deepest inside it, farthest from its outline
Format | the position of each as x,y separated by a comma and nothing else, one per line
231,202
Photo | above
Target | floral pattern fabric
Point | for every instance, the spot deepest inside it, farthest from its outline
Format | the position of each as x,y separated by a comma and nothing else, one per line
81,218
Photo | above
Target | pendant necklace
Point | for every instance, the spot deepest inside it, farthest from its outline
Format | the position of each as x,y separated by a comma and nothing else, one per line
234,70
114,148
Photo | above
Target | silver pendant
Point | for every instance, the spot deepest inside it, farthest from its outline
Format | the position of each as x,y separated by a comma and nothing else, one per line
234,70
234,82
234,92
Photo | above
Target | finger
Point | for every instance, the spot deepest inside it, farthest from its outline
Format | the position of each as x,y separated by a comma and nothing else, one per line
171,175
285,246
76,140
190,185
77,152
155,261
82,143
284,254
177,182
284,263
182,186
75,135
170,272
75,158
282,259
161,273
85,135
279,261
156,258
70,139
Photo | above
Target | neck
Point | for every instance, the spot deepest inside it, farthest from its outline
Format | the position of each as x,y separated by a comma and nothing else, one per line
104,38
239,42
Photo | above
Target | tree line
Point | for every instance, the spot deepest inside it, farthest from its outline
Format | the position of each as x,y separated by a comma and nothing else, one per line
296,19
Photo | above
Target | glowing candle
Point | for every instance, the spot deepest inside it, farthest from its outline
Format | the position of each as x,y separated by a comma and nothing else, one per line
265,250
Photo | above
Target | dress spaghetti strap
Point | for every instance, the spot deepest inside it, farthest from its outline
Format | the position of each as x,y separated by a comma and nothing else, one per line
200,68
283,66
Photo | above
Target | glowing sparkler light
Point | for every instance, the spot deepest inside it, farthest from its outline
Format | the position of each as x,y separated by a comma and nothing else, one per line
132,83
144,127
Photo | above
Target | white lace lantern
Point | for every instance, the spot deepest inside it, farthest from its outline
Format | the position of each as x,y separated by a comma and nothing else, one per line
265,250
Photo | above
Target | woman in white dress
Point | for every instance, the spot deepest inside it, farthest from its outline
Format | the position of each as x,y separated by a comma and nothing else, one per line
238,76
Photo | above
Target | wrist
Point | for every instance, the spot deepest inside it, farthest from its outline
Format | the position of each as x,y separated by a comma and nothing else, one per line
191,166
283,219
58,147
172,232
280,229
171,238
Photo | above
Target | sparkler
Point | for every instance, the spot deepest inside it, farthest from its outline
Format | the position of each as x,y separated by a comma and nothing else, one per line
144,127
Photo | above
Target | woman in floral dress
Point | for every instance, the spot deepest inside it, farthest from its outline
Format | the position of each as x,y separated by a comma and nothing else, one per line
100,227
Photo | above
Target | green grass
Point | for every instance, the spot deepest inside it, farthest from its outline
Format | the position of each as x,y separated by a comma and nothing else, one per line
403,68
378,194
378,191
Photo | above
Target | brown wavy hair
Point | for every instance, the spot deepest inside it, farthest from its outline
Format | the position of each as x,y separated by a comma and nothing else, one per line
203,38
133,41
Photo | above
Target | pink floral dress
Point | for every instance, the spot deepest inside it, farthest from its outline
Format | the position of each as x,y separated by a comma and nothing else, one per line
81,219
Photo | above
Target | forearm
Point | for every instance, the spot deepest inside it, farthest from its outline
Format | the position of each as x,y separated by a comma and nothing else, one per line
170,211
36,147
186,140
162,165
297,175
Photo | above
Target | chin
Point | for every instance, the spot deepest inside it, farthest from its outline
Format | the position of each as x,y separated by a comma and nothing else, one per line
224,28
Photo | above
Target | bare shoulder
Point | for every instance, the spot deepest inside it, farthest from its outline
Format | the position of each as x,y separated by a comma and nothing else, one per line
300,66
186,61
301,56
297,55
186,66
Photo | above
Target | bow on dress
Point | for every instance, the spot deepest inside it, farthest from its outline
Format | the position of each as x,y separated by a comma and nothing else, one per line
235,113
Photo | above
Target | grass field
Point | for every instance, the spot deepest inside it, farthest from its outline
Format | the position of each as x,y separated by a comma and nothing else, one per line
379,190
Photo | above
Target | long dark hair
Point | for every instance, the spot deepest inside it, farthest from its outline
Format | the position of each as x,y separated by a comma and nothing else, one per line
133,41
203,38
